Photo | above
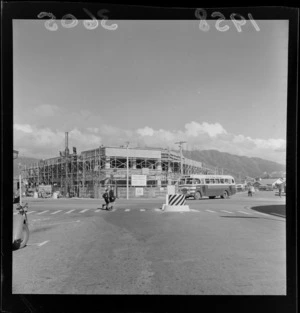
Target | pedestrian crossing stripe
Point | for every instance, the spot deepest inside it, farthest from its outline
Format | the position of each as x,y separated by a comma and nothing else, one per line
226,211
42,212
83,210
56,212
210,211
70,211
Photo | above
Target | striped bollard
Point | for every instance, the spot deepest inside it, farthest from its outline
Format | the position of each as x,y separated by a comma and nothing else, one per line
175,203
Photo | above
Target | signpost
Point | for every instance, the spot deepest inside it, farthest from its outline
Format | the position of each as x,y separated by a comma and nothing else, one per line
138,180
139,191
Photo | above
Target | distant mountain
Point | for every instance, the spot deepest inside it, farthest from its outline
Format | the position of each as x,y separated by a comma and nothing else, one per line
238,166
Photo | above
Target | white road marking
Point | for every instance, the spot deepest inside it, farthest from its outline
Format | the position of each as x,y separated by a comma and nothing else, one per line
127,210
262,213
143,210
15,213
42,212
64,223
278,214
226,211
244,212
210,211
69,211
98,210
193,210
83,210
41,219
30,212
157,209
43,243
56,212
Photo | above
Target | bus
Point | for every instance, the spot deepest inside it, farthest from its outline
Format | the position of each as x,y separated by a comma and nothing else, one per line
199,186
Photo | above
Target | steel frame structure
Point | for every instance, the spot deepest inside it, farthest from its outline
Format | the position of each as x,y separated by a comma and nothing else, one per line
82,174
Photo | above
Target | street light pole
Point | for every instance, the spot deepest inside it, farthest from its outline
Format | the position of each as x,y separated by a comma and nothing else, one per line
180,146
127,176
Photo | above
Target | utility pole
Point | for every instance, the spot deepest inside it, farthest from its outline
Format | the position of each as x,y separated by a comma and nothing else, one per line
180,143
66,162
127,167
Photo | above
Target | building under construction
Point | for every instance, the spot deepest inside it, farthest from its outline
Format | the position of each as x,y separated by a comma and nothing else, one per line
85,174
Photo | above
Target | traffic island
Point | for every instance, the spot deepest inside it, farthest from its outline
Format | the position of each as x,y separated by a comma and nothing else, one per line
175,203
175,208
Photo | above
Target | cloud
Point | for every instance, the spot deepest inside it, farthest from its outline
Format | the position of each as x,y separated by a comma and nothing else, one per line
146,131
45,142
37,140
194,129
45,110
25,128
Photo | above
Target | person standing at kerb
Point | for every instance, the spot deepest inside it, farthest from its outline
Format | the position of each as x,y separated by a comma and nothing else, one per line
280,186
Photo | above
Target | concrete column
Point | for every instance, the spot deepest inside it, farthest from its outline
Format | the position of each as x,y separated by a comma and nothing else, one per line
107,162
159,165
134,163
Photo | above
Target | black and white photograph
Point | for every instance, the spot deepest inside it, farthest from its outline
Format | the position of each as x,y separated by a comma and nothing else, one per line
150,155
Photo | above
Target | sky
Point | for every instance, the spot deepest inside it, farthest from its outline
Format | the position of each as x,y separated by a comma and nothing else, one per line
152,83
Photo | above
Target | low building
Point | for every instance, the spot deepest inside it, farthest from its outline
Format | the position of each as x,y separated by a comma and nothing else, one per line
86,173
268,183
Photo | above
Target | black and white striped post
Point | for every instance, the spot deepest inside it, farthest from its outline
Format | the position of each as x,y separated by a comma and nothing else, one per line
175,202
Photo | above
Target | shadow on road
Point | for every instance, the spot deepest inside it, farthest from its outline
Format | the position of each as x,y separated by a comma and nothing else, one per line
39,229
240,216
275,209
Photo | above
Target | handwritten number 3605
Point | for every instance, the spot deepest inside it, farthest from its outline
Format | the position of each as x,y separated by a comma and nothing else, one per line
70,21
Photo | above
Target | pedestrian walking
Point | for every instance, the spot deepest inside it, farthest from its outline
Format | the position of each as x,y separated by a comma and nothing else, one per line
105,196
251,191
112,197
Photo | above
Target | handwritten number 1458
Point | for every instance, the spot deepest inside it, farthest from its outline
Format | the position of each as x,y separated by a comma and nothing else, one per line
238,23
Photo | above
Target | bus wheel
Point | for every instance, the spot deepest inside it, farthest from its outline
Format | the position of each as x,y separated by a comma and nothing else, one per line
198,195
224,195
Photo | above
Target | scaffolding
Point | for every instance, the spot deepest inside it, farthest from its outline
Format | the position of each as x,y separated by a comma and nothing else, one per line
83,175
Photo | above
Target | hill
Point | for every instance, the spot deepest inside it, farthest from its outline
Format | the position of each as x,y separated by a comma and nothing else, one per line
238,166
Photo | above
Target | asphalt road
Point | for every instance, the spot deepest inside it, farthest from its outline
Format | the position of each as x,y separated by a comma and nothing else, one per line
230,246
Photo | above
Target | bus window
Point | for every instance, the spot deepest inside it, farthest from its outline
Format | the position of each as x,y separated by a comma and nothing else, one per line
196,181
217,181
212,181
226,181
222,180
233,181
207,181
182,181
189,181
